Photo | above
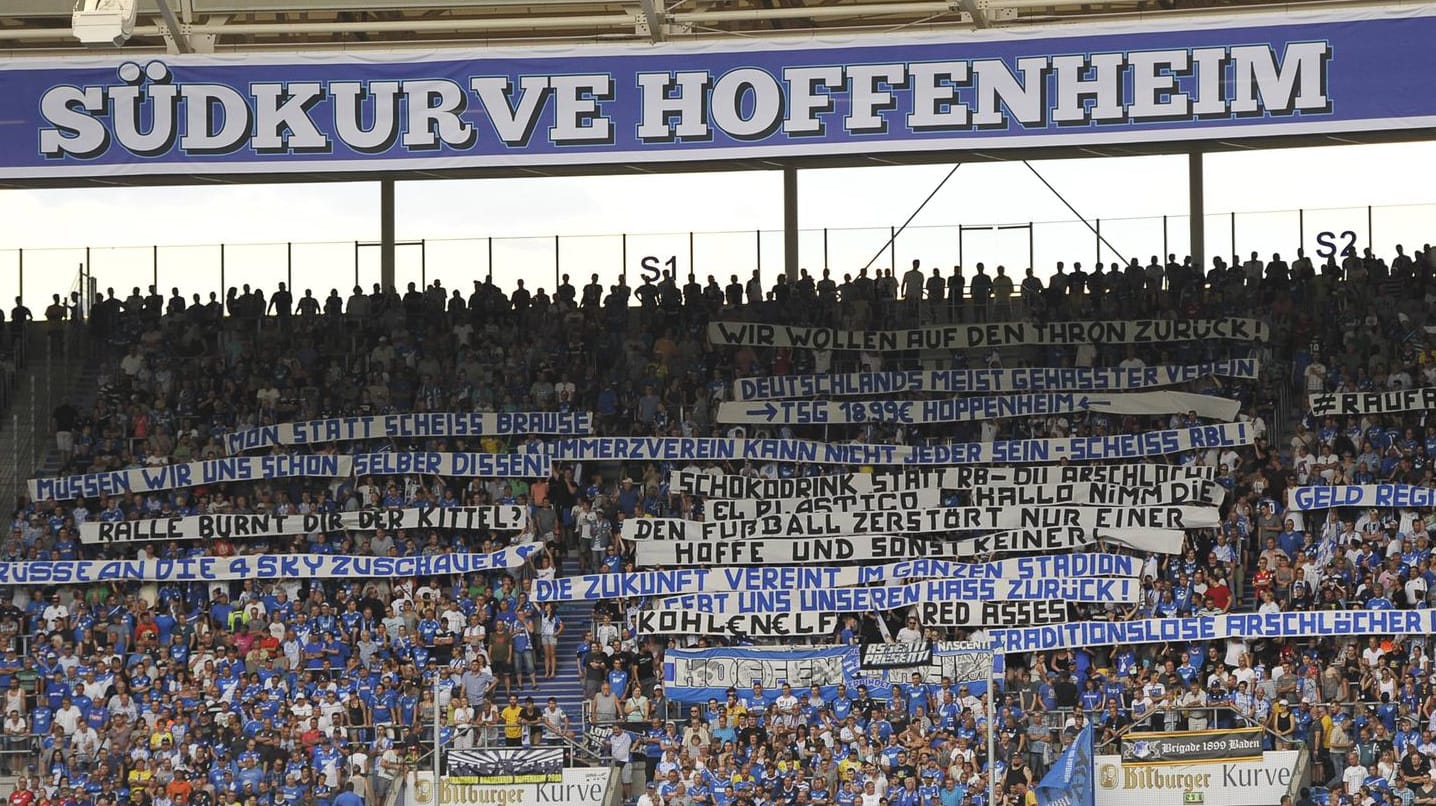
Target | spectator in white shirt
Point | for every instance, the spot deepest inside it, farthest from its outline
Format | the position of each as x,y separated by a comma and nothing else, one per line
68,716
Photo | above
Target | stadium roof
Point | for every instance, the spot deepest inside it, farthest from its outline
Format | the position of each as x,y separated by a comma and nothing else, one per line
43,26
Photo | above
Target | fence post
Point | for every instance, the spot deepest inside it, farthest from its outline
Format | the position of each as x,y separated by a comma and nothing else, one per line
623,258
20,270
155,267
356,264
758,246
825,248
1370,230
1098,232
289,265
1164,238
491,258
892,248
1236,253
424,264
1300,228
221,278
692,269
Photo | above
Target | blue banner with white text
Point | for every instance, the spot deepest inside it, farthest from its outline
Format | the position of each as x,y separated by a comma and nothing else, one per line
1352,70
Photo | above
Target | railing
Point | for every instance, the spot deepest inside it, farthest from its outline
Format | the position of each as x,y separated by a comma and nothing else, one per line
35,274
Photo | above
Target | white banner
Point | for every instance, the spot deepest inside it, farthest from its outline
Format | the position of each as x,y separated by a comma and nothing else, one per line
737,625
986,381
891,597
1148,541
713,485
991,334
1210,783
413,425
1383,496
1397,401
990,614
968,409
728,509
198,527
1016,451
469,465
967,477
258,566
1295,624
922,521
879,548
592,587
256,468
169,477
1042,495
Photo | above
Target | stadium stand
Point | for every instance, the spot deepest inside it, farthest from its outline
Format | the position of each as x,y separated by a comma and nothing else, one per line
256,693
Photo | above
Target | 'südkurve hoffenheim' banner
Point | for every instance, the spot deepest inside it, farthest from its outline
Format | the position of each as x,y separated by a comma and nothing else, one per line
1215,628
969,409
256,566
1013,451
1338,71
986,381
714,485
1399,496
1400,400
199,527
922,521
698,675
879,548
255,468
792,624
415,425
696,580
891,597
991,334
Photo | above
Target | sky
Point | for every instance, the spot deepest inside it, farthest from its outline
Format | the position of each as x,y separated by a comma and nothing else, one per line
857,207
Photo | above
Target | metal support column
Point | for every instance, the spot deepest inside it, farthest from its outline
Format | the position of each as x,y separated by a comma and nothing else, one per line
386,233
1196,213
790,222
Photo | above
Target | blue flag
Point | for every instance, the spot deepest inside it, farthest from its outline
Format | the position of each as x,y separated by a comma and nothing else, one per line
1069,782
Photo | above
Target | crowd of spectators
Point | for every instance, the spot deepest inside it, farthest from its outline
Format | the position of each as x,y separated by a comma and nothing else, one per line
226,692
